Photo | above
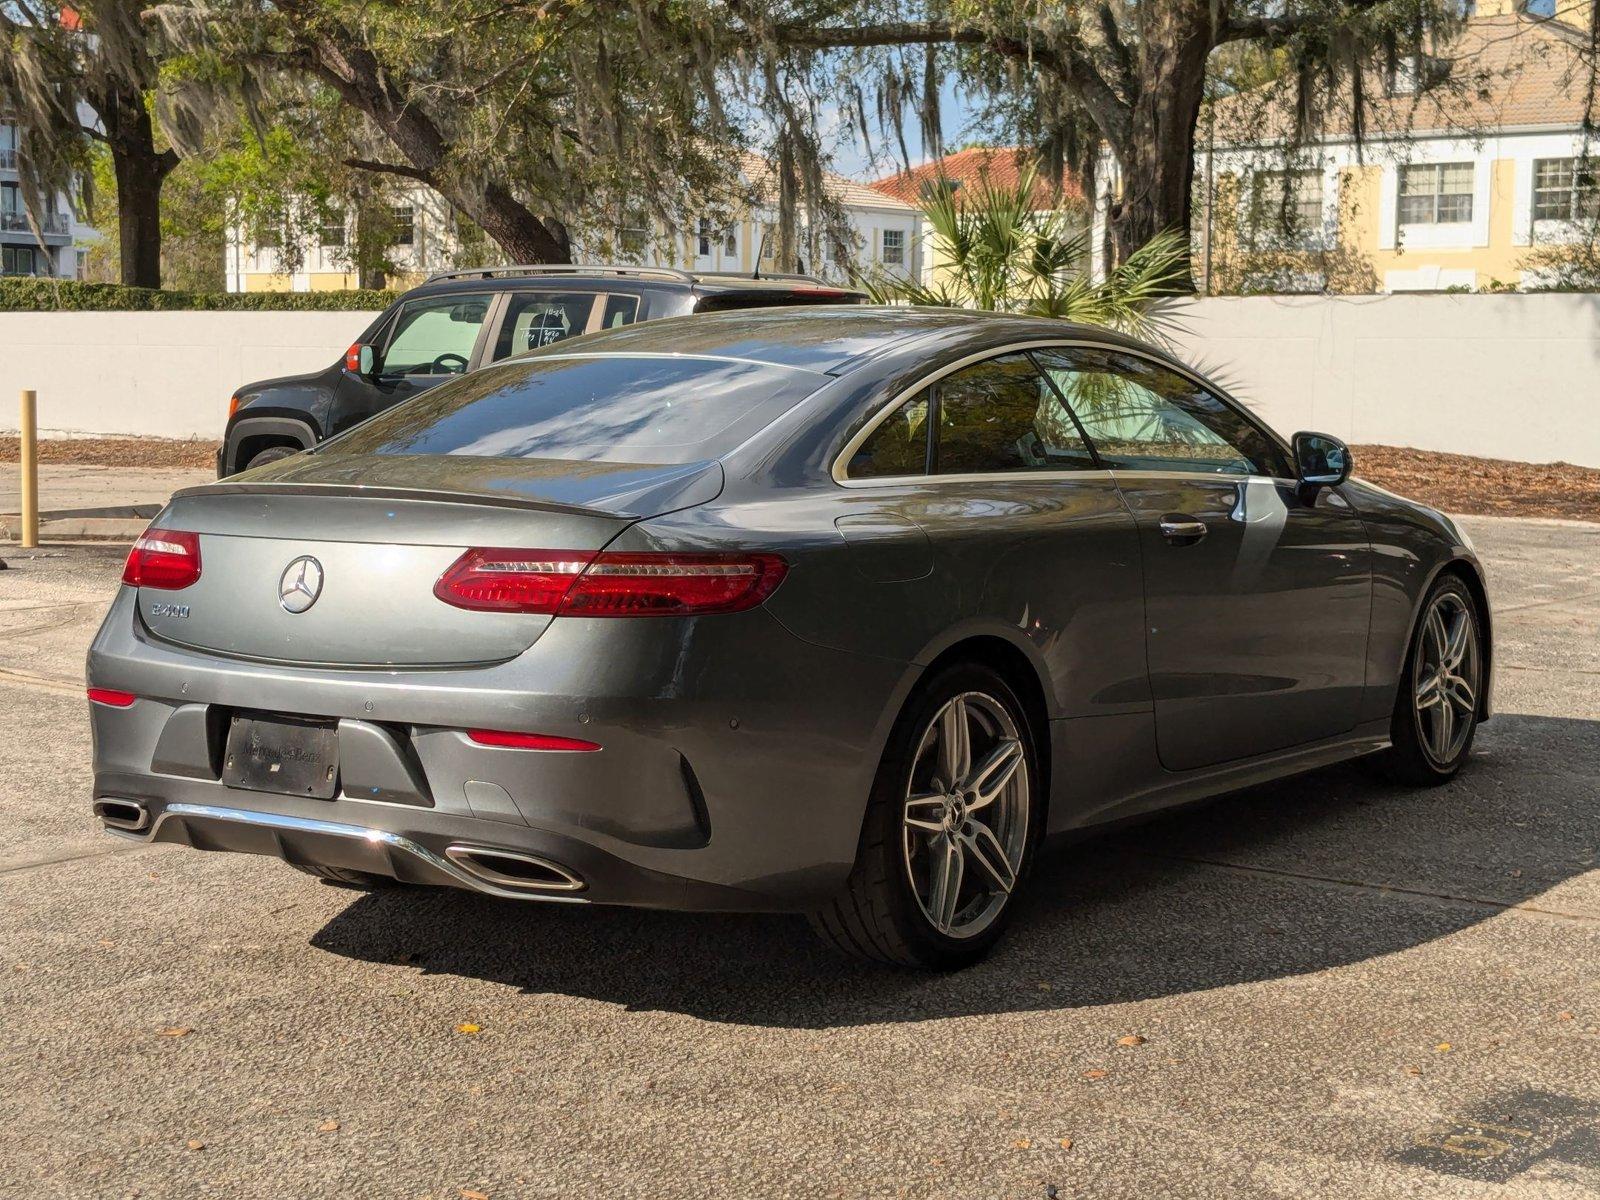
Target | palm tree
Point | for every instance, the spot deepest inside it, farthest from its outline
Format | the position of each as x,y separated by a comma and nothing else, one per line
996,251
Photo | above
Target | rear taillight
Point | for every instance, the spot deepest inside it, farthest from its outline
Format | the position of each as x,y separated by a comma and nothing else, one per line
163,558
531,741
112,698
610,584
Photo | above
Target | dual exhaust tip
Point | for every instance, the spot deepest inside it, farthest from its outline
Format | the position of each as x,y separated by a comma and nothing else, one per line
507,870
123,814
512,870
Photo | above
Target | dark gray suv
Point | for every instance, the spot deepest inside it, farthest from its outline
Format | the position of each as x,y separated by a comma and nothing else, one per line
460,320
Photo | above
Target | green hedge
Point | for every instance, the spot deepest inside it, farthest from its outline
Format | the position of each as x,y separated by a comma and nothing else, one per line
18,294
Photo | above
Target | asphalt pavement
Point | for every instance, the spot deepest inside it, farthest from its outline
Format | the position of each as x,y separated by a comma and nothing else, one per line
1343,989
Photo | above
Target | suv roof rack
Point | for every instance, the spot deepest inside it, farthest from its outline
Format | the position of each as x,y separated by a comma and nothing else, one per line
617,269
763,277
560,269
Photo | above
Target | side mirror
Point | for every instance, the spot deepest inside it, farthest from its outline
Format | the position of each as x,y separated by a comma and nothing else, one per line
361,359
1321,459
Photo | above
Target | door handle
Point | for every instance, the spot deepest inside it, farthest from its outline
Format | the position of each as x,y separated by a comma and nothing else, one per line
1182,530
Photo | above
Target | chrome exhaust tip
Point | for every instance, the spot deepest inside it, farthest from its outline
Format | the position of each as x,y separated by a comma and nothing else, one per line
122,814
513,871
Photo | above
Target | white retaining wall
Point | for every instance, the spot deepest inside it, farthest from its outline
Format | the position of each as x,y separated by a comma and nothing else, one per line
163,374
1501,376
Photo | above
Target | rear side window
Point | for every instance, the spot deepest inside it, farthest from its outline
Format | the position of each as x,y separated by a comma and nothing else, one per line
897,447
535,319
617,409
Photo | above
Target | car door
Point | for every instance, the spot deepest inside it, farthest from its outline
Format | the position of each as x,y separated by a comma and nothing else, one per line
431,339
1257,589
1023,528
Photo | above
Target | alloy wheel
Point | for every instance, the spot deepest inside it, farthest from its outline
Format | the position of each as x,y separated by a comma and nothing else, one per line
965,820
1445,678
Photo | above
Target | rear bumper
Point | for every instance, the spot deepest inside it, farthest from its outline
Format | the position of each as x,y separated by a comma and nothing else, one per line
432,851
735,765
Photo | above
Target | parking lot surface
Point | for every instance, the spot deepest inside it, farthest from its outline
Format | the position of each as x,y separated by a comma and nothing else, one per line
1343,989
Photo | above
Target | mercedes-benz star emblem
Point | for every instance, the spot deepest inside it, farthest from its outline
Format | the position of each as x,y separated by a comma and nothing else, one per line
300,584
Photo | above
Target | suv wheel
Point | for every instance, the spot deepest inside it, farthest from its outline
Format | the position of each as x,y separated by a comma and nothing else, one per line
270,454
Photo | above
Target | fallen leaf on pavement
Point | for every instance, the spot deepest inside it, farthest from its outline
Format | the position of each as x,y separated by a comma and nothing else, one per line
1022,1144
196,1144
469,1194
1132,1039
1444,1047
468,1027
1413,1070
1065,1143
177,1031
329,1126
1096,1073
1563,1016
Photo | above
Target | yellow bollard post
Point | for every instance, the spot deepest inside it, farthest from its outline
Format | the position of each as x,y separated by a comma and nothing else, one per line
30,471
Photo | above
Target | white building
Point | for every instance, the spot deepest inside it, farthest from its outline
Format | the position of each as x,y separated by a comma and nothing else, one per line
884,230
55,249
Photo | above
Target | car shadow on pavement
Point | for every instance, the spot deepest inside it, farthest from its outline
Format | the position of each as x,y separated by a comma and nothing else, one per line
1302,875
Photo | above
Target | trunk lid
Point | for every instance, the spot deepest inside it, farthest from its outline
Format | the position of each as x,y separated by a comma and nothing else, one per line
359,543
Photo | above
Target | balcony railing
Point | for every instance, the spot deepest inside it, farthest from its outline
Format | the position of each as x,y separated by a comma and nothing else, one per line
16,222
8,158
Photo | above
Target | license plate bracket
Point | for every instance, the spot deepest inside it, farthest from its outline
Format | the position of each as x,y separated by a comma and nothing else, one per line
273,752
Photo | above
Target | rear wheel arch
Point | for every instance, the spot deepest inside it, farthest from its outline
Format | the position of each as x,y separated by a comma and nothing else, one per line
1012,664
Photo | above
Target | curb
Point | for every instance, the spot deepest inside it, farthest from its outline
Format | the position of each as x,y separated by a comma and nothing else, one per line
77,529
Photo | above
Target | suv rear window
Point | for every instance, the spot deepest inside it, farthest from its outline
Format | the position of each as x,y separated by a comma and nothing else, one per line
651,409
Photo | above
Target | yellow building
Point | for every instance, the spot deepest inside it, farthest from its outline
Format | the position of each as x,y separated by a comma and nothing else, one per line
1465,184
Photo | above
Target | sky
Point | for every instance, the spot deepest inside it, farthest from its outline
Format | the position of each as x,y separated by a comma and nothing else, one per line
850,155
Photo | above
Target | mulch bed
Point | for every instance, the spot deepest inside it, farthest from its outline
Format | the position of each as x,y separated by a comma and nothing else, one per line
1459,483
1453,482
119,451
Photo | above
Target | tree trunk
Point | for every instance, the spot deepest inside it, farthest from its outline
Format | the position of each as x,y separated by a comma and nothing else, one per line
522,236
140,170
1157,156
360,78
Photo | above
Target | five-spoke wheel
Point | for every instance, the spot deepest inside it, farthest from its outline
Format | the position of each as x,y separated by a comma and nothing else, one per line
966,814
1441,689
950,828
1445,675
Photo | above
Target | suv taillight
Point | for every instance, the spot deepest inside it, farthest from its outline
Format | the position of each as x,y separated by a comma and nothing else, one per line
163,558
568,583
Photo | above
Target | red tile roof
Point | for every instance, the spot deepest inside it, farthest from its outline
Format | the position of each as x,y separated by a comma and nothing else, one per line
1000,165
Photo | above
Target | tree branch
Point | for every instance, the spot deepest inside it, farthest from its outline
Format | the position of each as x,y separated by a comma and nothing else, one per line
1275,30
385,168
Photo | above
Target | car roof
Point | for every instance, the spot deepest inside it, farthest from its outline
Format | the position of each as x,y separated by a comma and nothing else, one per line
833,340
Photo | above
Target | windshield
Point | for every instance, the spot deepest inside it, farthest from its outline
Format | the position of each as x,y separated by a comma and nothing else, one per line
654,409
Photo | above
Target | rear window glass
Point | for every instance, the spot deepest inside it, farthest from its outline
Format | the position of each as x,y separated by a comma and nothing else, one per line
619,409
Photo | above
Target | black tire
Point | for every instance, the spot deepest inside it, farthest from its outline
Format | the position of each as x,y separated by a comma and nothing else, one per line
878,916
1411,759
269,455
363,881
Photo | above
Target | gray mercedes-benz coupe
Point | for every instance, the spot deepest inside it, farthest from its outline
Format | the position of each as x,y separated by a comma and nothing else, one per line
841,611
